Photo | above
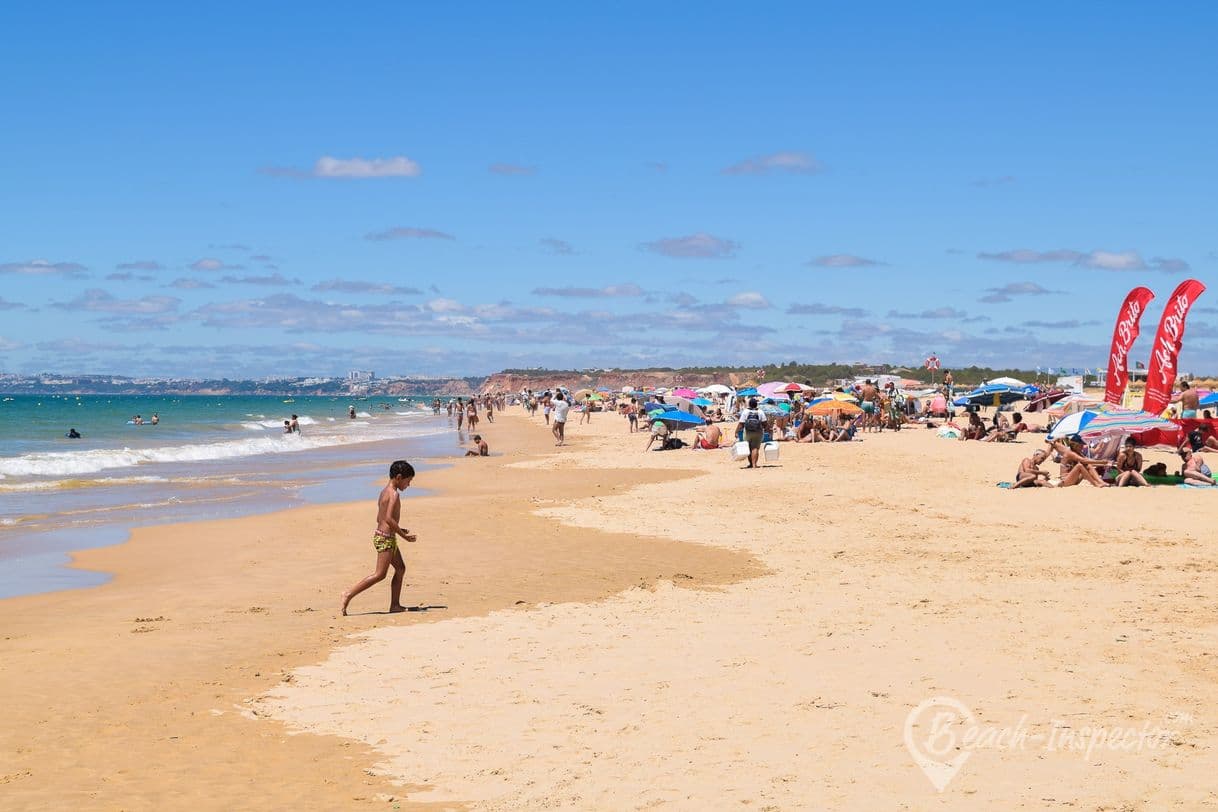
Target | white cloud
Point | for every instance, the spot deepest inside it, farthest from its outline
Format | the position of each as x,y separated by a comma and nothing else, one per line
694,246
408,233
608,291
1099,259
354,286
213,264
140,265
42,267
749,300
1113,261
442,305
396,167
561,247
793,163
275,279
1004,293
6,345
189,284
99,301
820,309
843,261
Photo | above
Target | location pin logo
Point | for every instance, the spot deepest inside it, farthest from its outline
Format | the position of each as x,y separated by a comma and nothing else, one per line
933,733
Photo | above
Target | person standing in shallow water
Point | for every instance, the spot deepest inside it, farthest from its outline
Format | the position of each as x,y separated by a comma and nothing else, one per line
385,538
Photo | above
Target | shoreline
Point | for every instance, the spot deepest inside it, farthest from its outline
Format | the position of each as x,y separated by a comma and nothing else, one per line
220,611
332,474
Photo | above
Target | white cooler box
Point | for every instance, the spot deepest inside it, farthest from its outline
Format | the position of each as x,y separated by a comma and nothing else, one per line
740,451
770,451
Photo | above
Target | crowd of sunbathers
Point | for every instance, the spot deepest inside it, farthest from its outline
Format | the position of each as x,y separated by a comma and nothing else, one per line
1099,467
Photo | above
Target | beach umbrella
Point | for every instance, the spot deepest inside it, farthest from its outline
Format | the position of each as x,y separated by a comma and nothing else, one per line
683,404
772,409
655,412
845,397
1073,403
985,395
704,402
1014,383
651,406
793,387
833,406
677,419
716,389
685,392
770,388
582,394
747,393
1098,422
1210,399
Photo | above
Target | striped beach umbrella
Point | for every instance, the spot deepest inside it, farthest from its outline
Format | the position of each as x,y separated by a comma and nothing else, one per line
1096,422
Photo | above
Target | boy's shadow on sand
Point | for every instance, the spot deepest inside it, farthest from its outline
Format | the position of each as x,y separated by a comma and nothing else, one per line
419,608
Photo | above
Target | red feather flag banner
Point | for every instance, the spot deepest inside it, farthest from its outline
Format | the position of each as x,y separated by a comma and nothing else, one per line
1162,372
1128,325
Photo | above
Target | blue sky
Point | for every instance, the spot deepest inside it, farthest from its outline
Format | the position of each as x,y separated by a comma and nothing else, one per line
262,189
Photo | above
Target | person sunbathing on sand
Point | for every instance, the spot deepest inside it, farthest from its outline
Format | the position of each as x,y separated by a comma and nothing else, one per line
1129,463
708,436
385,538
1030,475
1076,467
1195,471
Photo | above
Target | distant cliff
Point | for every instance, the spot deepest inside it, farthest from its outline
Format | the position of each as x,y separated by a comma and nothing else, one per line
613,379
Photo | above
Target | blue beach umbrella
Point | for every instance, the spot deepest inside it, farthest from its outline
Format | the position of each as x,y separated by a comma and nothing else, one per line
746,393
677,419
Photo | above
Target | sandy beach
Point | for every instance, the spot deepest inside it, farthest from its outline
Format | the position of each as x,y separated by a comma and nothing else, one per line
627,630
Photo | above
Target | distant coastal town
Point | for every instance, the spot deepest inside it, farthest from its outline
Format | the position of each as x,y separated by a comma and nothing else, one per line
366,383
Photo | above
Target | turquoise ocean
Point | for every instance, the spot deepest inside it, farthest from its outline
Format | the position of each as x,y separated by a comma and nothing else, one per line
209,457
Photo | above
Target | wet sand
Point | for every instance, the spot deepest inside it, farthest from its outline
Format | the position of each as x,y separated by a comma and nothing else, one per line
133,695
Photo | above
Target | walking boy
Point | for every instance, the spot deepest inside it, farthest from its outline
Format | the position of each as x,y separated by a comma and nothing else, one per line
384,539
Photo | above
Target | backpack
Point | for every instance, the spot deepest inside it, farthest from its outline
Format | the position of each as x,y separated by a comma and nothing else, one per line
754,421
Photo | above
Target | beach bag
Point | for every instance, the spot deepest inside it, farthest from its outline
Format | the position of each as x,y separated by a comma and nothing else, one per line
754,421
